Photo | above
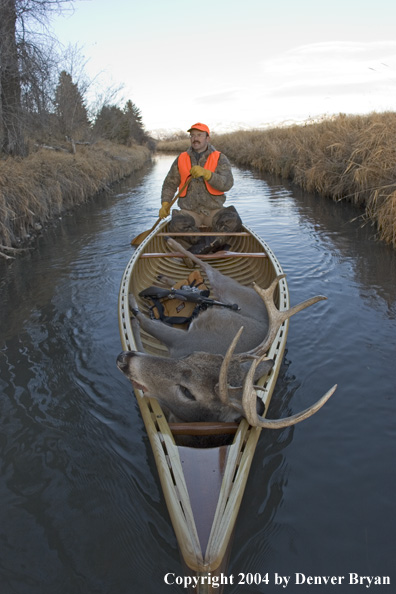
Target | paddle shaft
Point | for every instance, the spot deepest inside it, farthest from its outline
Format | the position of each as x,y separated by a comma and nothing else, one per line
139,238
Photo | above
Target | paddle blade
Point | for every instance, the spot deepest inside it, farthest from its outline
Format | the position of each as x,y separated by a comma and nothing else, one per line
141,237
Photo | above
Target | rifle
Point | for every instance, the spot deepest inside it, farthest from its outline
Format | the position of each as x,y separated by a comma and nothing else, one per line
186,293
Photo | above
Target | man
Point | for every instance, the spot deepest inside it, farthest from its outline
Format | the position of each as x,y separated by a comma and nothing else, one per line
208,173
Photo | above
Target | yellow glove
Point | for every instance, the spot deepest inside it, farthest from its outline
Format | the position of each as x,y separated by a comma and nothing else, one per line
164,210
198,171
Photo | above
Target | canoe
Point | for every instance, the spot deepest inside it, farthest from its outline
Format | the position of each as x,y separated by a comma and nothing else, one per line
203,487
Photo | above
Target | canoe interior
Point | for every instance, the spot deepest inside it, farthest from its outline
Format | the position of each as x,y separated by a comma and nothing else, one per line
244,270
203,487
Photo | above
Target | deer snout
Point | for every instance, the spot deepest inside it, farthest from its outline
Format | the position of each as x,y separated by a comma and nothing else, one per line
123,359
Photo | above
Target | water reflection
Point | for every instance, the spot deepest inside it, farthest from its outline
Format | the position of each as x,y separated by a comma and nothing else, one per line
341,234
82,507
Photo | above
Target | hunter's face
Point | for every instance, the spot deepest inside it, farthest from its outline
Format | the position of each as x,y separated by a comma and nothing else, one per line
199,140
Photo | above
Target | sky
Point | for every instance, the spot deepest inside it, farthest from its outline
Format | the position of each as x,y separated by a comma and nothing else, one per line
236,64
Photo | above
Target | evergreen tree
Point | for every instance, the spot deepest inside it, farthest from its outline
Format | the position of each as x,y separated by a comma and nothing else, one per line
109,124
122,126
70,109
134,122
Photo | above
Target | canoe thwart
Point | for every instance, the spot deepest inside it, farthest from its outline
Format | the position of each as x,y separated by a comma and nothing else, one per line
216,255
203,428
204,234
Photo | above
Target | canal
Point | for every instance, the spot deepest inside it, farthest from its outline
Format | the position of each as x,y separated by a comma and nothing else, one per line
81,506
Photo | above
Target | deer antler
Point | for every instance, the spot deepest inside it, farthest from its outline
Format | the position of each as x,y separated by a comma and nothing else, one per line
249,399
275,317
258,354
223,384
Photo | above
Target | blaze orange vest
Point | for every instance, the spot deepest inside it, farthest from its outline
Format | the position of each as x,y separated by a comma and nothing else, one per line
184,164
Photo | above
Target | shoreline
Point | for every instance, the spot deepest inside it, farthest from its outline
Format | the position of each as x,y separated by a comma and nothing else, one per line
36,190
346,157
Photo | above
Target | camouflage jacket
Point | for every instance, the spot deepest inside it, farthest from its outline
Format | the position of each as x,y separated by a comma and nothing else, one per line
198,199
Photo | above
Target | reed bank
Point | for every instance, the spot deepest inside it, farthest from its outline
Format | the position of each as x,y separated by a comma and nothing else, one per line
36,190
346,158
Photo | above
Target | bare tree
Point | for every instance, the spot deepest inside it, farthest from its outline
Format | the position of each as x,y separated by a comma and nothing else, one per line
103,97
19,50
12,129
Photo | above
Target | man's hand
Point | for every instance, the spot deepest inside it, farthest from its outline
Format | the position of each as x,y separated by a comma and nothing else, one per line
164,210
198,171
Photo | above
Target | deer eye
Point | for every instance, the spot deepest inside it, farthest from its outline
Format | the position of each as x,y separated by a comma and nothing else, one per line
187,393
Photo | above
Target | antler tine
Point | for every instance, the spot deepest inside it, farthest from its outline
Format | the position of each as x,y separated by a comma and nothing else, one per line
250,411
276,317
223,383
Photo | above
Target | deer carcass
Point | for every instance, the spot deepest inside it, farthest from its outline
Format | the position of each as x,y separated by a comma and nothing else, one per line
213,365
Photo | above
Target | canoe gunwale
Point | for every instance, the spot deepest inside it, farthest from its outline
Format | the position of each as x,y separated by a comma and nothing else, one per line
239,454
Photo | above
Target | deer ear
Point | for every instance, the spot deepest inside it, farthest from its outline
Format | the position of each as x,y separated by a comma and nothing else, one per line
263,368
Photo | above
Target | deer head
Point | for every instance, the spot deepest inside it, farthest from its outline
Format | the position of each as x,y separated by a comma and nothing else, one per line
189,387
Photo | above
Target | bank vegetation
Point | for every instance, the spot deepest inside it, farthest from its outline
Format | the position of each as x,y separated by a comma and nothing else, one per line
36,190
349,158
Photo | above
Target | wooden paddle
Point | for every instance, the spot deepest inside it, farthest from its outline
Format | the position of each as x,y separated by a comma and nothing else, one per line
139,238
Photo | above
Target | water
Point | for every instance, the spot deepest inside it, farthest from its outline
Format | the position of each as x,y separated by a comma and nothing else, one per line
82,510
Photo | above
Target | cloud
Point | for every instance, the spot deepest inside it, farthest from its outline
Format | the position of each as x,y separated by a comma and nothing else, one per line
307,81
220,97
319,88
332,61
340,74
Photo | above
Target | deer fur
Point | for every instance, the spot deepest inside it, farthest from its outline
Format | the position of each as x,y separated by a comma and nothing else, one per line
187,384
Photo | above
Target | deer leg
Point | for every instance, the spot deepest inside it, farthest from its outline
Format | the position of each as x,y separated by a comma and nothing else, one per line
166,334
179,248
136,332
220,284
166,281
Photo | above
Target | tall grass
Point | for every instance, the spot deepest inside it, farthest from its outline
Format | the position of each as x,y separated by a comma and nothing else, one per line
345,158
37,189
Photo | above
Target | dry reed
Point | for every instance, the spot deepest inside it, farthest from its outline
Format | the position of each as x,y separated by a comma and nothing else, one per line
345,158
37,189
